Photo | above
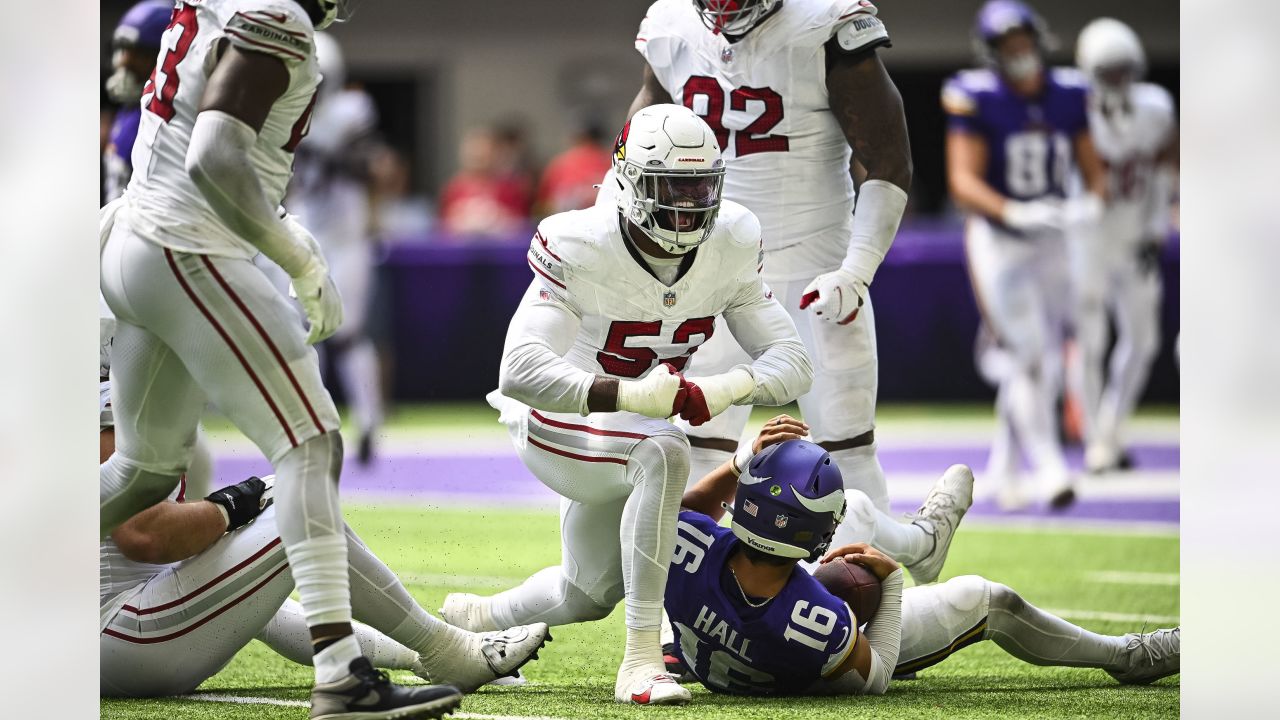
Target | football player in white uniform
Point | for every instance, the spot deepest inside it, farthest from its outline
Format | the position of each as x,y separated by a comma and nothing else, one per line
330,194
794,90
196,321
1134,128
186,583
622,296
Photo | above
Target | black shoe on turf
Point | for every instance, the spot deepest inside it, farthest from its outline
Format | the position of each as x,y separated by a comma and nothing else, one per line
365,454
367,694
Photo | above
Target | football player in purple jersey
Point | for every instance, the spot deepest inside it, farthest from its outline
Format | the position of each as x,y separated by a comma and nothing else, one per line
134,47
750,620
1016,130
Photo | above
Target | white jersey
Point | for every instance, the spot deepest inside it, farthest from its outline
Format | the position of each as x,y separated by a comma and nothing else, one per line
765,96
1130,143
331,200
164,205
629,321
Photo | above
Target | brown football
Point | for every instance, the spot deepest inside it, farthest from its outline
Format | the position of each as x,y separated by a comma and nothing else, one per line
852,583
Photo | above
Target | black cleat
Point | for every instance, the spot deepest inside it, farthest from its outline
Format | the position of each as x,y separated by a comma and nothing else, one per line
675,665
365,453
368,694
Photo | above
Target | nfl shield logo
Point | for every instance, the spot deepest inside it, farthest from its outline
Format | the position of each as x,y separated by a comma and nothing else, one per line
668,299
726,55
780,521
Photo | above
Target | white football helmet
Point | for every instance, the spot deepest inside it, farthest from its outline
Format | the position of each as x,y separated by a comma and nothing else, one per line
1111,54
733,17
670,174
333,69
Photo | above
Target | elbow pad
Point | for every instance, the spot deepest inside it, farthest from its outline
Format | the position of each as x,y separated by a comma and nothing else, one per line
876,217
218,162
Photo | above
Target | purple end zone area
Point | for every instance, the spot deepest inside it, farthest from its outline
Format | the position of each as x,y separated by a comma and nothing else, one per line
488,479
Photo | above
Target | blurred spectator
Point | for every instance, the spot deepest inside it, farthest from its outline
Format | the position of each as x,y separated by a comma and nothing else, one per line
399,214
569,181
488,197
516,165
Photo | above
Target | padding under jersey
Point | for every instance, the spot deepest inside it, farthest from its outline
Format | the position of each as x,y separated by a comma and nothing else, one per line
765,96
1029,142
165,207
1130,139
745,647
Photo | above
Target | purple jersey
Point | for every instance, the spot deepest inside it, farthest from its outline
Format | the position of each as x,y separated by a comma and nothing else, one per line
781,647
1029,141
118,162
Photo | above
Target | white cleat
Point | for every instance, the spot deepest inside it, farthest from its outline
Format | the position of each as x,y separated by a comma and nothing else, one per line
940,515
481,658
1101,457
469,612
1061,491
650,686
1149,657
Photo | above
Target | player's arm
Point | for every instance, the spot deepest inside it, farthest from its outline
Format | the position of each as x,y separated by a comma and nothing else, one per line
534,370
171,531
966,173
708,495
1164,189
1091,167
869,666
651,92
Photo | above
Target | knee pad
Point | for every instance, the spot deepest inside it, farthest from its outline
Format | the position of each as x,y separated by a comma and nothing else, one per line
664,458
967,592
592,604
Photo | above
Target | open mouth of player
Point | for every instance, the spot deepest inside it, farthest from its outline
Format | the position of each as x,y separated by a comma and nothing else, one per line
687,204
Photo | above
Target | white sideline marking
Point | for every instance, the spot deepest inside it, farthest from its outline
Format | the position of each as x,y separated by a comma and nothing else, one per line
1120,577
1112,617
241,700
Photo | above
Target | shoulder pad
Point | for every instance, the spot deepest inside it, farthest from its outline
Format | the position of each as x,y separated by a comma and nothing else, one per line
662,25
1153,96
742,225
278,29
568,243
961,91
860,29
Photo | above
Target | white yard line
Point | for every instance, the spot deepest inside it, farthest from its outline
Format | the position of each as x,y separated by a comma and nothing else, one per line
241,700
1113,617
1121,577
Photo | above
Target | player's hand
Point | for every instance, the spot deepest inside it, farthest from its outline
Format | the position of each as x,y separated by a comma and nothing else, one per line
660,394
881,565
779,430
319,297
242,502
709,396
1033,215
835,296
1083,210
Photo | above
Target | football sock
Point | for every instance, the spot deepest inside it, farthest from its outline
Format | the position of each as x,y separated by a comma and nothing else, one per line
702,461
288,635
334,662
361,378
381,600
657,470
643,650
310,524
547,596
1033,635
905,542
861,470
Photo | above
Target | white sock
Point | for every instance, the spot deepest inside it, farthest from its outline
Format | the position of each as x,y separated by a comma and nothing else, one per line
334,662
643,649
656,469
288,635
864,522
861,470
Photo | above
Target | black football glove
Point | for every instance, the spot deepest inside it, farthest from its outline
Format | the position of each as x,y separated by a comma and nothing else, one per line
243,501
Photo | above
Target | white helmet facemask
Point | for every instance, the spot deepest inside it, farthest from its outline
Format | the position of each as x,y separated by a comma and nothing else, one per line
670,176
733,17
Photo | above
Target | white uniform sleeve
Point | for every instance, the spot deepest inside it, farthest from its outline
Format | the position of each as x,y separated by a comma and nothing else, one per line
282,31
860,30
780,366
884,635
533,369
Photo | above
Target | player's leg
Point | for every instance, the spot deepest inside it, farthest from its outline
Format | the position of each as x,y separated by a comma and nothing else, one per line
1137,314
190,620
1091,280
715,441
287,633
356,357
242,342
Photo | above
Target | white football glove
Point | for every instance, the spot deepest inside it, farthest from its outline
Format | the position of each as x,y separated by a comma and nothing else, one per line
712,395
1033,215
660,394
835,296
1083,210
319,297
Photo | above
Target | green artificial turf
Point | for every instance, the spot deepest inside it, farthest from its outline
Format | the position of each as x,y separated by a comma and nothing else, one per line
441,551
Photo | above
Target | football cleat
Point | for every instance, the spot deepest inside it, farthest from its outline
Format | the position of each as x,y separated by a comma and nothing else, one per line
940,516
675,666
1062,493
367,694
468,611
479,659
1149,657
645,687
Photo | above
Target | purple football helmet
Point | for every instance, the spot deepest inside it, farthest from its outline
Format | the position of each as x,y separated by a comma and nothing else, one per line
789,501
144,25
